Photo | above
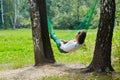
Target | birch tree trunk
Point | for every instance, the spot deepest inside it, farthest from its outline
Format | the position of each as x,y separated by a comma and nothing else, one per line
16,11
15,16
78,15
2,12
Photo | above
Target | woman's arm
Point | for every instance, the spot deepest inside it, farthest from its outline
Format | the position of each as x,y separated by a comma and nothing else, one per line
64,41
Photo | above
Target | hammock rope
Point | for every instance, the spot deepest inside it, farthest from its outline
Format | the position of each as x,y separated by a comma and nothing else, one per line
85,22
53,35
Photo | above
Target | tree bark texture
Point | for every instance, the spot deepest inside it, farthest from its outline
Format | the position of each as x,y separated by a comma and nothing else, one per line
44,30
102,54
38,34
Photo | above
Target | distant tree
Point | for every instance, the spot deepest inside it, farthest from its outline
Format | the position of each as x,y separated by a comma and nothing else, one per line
42,47
102,54
16,14
78,6
8,10
2,13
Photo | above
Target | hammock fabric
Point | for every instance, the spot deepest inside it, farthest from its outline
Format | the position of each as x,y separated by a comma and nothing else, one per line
53,35
84,24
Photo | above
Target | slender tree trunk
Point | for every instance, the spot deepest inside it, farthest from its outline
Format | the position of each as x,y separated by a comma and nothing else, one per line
15,16
16,11
78,5
102,55
2,12
42,49
18,3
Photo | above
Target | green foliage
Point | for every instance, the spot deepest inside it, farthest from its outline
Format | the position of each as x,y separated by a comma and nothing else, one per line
64,14
117,12
22,12
8,9
67,14
24,15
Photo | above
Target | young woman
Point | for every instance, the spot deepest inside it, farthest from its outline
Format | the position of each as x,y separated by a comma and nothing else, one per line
72,45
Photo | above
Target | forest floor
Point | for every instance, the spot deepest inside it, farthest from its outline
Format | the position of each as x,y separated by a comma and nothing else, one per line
37,73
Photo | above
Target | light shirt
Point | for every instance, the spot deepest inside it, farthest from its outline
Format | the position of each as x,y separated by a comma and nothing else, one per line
70,46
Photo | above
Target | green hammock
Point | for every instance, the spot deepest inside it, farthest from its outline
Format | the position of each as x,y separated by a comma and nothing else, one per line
84,24
53,35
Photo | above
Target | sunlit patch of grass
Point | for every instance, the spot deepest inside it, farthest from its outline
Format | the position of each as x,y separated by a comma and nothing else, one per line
116,49
82,77
16,48
65,77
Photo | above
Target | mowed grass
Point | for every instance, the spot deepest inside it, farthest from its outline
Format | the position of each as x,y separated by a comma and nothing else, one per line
16,48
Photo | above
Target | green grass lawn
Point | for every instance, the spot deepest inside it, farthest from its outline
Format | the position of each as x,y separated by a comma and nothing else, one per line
16,48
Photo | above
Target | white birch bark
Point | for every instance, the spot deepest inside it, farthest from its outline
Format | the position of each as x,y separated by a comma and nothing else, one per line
16,11
2,12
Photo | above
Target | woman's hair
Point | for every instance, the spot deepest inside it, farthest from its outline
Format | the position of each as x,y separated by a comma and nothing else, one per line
82,36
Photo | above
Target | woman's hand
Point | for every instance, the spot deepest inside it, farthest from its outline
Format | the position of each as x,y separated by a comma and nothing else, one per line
63,41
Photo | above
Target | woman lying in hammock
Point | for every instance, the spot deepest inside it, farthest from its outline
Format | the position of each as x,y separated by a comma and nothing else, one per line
72,45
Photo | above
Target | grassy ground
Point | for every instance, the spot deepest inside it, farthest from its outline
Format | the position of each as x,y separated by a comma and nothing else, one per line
16,49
